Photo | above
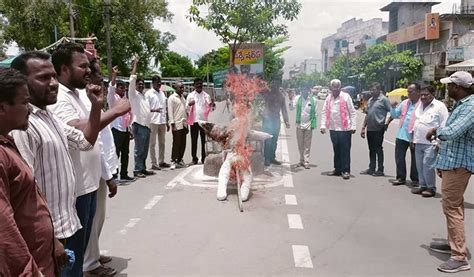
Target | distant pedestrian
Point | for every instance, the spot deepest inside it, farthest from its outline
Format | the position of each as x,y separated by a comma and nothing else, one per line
306,108
199,104
405,112
274,104
159,123
177,119
339,117
455,165
430,114
375,127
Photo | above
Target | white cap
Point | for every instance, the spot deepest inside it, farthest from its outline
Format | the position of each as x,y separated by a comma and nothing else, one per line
460,78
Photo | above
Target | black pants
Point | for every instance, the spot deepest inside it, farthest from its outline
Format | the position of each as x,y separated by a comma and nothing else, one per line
341,144
122,147
375,141
196,131
401,147
179,145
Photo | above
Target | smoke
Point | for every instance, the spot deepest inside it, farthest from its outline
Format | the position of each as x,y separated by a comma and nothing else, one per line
243,89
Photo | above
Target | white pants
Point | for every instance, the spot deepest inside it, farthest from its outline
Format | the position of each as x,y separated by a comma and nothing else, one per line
92,254
224,175
157,130
304,137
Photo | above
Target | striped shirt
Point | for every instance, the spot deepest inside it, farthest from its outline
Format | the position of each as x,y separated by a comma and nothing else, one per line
457,138
45,147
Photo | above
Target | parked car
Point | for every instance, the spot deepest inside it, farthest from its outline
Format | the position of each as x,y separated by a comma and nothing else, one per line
323,93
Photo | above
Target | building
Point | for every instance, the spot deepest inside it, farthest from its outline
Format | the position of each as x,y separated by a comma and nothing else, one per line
310,66
351,33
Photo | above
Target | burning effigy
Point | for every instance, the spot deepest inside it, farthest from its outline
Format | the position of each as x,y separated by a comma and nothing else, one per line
235,137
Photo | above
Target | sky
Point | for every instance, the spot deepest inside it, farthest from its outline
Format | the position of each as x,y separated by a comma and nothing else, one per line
317,19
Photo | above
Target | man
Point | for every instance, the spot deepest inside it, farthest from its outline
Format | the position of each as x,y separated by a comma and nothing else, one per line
141,121
455,165
159,123
199,104
27,241
177,119
121,125
339,116
93,261
430,114
72,66
306,107
405,112
375,127
274,104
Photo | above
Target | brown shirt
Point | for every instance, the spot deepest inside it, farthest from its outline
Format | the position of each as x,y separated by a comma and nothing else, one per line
26,229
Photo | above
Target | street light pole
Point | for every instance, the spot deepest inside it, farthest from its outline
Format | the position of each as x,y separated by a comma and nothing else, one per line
108,42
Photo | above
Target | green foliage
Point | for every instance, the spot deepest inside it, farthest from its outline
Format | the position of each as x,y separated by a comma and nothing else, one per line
216,59
374,65
175,65
241,21
31,24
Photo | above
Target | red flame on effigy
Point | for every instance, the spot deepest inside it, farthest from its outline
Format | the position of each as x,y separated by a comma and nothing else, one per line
244,89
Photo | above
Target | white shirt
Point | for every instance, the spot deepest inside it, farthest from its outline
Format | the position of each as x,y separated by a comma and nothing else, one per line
202,103
119,123
45,146
109,159
86,164
139,103
335,121
305,111
177,111
433,116
157,100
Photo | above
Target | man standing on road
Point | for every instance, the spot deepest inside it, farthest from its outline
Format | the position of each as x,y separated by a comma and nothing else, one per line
405,112
199,105
375,127
159,123
339,116
455,165
274,104
306,107
430,114
121,125
177,119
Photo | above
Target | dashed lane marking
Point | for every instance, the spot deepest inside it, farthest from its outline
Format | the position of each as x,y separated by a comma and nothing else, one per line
153,202
131,223
301,256
290,199
295,222
389,142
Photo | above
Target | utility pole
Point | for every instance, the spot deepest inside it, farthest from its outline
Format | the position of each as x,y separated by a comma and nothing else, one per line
108,42
71,19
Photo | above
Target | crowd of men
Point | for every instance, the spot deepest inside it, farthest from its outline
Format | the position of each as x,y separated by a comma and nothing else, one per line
61,153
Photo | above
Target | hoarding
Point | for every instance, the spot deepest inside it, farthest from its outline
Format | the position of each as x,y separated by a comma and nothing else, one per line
432,26
249,59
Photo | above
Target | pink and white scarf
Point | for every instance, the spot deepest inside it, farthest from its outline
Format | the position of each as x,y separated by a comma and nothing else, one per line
342,109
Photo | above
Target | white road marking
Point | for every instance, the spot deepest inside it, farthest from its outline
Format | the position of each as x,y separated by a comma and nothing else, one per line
294,221
283,144
178,178
131,223
290,199
153,202
389,142
301,256
104,252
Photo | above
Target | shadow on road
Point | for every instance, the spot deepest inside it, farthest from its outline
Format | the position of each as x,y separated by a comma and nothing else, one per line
119,264
440,256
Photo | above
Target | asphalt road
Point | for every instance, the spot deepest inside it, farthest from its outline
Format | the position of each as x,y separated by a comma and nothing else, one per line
297,223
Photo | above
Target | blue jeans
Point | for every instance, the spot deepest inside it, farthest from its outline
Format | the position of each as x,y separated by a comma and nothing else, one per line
85,206
271,126
425,165
341,144
141,135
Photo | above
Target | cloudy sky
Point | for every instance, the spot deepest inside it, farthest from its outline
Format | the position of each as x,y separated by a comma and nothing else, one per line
317,19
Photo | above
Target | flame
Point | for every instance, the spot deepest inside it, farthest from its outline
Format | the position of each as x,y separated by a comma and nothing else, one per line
244,89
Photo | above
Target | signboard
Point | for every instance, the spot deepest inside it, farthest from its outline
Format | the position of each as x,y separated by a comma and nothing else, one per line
249,59
411,33
432,26
218,78
428,73
456,54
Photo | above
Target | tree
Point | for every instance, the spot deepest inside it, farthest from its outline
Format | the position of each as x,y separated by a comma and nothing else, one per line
241,21
175,65
32,23
215,60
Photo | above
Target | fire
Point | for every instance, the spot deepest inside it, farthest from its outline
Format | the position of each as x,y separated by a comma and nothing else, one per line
244,90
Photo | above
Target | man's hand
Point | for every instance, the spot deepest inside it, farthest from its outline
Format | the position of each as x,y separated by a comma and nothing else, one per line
112,187
439,172
167,127
115,70
353,131
192,102
323,130
362,133
385,127
173,128
158,110
394,104
59,253
412,145
95,95
431,134
122,106
287,125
